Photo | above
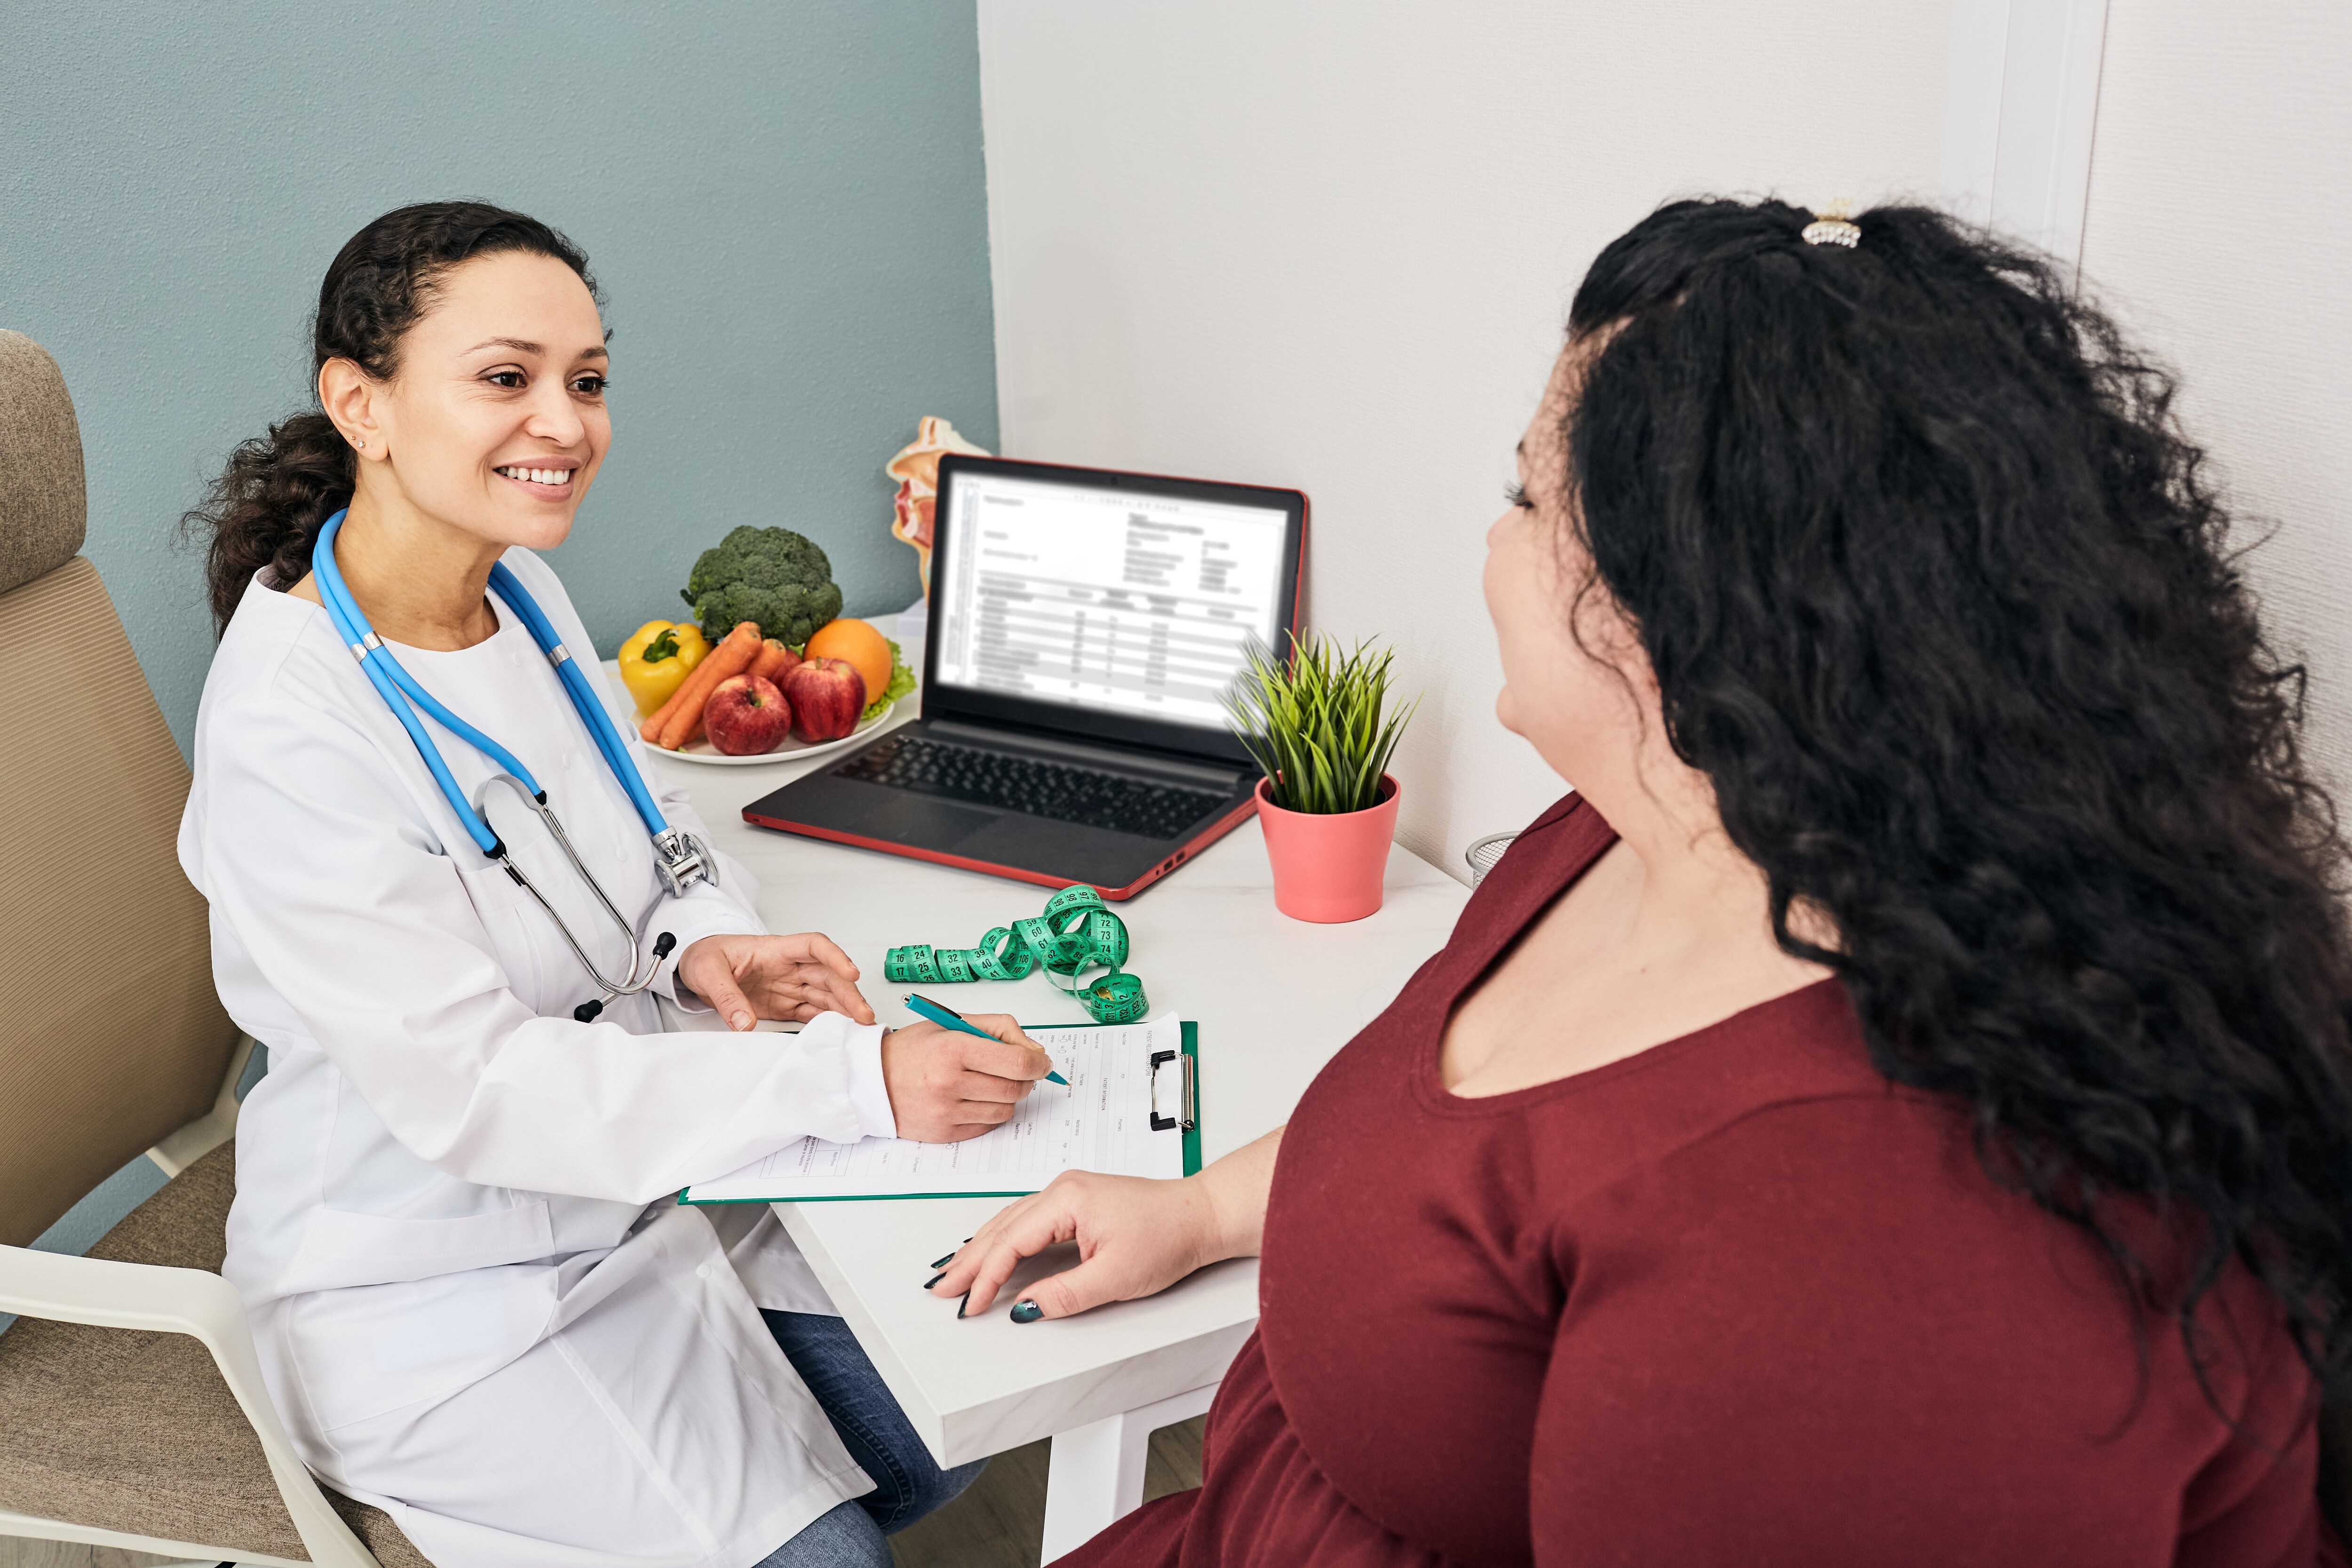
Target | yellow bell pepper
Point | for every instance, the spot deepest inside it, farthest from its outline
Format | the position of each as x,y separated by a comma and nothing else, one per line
656,658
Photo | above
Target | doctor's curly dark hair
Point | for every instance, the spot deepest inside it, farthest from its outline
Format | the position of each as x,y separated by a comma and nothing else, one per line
1939,599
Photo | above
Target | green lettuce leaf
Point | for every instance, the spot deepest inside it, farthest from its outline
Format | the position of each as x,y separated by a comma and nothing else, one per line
902,681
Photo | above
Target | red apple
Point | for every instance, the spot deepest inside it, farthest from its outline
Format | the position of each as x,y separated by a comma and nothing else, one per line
746,715
827,695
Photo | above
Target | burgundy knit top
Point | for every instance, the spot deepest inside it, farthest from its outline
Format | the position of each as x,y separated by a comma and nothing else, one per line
1735,1298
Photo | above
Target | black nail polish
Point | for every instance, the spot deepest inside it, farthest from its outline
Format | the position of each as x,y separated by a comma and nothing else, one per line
962,1304
1027,1311
943,1262
935,1279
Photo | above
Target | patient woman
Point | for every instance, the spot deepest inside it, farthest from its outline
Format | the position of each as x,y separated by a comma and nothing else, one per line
1895,1111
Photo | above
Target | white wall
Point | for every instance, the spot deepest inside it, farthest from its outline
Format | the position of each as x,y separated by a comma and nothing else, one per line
1297,243
2220,227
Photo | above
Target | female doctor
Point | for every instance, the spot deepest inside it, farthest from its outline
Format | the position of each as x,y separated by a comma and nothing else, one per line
478,1306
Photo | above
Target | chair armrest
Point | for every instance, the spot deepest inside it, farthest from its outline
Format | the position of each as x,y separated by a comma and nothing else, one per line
113,1295
110,1295
180,1149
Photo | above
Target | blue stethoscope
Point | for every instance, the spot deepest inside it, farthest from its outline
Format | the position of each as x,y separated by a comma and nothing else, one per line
680,859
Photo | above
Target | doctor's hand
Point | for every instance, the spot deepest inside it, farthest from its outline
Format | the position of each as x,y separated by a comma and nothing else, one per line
790,978
947,1086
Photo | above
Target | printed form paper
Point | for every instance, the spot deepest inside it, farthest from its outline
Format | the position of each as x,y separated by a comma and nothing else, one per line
1101,1121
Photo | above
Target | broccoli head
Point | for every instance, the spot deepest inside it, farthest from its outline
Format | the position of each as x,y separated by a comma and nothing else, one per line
771,575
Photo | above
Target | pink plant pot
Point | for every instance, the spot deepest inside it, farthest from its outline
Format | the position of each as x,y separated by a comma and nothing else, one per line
1328,868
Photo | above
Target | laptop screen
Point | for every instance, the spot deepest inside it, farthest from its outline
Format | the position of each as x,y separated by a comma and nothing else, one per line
1131,603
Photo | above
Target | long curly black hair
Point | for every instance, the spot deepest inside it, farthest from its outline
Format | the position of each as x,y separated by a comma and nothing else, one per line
1940,600
268,505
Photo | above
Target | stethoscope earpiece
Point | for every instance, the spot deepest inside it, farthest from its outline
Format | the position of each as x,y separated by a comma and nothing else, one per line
586,1012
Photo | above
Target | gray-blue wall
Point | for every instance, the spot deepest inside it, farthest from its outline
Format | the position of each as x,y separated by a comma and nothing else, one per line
783,202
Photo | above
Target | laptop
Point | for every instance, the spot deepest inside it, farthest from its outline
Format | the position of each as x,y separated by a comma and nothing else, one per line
1084,626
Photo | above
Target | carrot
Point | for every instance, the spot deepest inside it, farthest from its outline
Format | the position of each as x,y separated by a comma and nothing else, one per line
651,729
681,716
774,660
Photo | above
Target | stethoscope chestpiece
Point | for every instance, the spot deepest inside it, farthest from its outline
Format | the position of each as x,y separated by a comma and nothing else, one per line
682,860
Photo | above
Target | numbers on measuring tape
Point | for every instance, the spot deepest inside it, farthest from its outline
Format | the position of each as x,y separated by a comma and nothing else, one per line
1073,937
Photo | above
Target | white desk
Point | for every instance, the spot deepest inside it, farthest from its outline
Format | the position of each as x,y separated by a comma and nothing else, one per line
1275,998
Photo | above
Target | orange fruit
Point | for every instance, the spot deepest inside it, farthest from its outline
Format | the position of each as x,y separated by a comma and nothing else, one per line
864,648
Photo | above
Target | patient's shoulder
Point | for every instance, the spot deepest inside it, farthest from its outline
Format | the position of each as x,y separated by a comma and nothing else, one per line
1541,857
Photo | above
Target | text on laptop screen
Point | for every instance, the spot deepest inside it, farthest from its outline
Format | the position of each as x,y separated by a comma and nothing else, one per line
1103,599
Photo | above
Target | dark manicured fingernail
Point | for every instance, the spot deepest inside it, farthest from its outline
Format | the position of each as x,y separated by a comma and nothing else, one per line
962,1304
935,1279
942,1262
1027,1311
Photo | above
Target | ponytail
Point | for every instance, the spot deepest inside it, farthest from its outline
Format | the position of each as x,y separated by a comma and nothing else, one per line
268,504
278,489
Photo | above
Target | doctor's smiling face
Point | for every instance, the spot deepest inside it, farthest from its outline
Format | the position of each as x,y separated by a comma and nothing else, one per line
493,422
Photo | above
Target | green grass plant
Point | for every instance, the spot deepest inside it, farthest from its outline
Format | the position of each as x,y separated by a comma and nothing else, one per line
1314,721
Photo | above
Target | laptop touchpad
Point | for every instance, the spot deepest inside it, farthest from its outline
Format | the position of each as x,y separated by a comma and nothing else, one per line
925,820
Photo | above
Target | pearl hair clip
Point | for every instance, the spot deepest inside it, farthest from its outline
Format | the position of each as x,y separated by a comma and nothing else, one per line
1832,225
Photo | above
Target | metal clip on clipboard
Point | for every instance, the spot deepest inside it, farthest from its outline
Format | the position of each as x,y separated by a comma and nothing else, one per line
1187,1105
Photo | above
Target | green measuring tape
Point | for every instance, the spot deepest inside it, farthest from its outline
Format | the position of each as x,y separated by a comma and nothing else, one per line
1074,935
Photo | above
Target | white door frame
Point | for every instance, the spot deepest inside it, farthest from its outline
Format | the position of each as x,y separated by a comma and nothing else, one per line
2020,105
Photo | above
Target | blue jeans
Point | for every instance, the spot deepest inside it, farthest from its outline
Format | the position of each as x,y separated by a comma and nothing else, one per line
907,1484
846,1537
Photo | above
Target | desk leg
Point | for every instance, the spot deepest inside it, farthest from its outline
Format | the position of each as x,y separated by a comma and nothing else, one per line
1095,1474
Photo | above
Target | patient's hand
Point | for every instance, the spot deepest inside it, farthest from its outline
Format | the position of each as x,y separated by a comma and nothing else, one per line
1135,1235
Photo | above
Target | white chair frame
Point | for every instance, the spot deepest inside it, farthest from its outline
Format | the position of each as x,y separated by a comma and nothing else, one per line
181,1301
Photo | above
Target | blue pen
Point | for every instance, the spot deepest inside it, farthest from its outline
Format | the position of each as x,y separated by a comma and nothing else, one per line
949,1018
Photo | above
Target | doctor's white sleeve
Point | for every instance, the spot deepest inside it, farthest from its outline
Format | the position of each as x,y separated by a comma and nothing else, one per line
731,907
323,865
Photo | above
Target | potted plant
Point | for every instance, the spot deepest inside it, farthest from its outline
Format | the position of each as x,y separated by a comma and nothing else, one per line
1317,725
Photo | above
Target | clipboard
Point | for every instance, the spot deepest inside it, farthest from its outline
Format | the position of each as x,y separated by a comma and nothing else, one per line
1171,1103
1184,1109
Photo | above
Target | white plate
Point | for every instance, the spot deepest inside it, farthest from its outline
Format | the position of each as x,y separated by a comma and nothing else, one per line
792,751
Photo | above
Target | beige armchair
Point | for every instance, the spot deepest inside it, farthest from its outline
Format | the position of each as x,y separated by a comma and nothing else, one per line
133,1412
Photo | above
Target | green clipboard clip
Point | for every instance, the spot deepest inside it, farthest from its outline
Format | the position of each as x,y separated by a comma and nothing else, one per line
1187,1105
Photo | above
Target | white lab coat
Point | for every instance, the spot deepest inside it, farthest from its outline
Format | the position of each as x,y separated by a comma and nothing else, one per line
479,1305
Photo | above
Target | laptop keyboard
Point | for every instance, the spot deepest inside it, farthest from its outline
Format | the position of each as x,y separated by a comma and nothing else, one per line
1040,789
